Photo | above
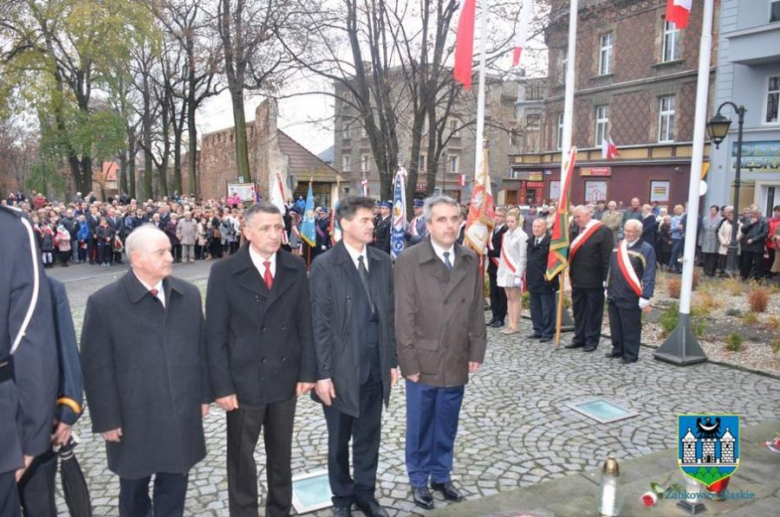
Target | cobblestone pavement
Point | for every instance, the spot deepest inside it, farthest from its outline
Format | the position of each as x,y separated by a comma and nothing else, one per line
515,427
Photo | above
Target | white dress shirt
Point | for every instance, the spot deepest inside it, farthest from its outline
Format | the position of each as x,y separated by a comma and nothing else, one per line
258,260
354,255
440,253
159,287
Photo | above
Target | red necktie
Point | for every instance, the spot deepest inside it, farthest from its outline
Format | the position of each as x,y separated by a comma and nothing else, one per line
154,292
268,277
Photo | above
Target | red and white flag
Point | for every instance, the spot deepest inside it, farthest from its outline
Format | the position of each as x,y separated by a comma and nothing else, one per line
609,150
677,12
464,43
461,180
522,31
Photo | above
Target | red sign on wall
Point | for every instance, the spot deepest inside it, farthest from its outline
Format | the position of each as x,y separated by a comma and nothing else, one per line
596,171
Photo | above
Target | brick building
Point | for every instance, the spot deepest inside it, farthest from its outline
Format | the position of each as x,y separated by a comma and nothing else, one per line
636,82
271,150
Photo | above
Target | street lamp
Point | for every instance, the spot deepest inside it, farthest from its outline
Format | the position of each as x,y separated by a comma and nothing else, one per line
718,128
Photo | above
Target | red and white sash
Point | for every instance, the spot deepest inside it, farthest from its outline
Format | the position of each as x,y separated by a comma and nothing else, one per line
494,260
584,235
413,229
627,269
505,256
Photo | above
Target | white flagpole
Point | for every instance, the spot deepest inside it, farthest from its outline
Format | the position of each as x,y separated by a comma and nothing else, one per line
478,173
568,98
681,346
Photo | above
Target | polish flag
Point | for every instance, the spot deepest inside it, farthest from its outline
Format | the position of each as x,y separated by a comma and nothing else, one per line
522,31
609,150
677,12
464,43
461,180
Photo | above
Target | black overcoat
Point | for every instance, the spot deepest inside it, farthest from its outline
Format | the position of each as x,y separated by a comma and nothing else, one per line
259,341
334,286
144,370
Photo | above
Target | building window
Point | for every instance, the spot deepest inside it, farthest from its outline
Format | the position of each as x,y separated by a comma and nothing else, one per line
774,11
365,162
666,112
602,123
671,43
364,132
605,54
773,100
421,163
455,127
533,120
345,163
559,136
564,53
347,131
452,163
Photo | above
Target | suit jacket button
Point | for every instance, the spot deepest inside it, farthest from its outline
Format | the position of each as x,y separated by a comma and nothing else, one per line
257,298
284,358
284,328
264,329
262,359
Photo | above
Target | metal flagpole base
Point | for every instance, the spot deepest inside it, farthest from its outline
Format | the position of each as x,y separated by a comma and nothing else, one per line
681,347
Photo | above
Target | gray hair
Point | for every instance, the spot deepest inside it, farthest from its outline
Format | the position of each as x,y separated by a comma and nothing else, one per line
265,208
139,236
633,223
434,201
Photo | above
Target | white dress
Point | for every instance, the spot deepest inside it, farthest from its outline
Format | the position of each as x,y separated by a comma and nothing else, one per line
515,246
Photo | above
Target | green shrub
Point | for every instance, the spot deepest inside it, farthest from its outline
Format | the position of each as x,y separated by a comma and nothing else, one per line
734,312
734,342
671,316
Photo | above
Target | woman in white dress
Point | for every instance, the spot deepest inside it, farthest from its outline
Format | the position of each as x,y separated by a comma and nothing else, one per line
511,268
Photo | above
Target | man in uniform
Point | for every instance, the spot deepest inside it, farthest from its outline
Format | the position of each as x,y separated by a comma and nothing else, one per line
417,230
497,294
588,266
630,287
384,227
28,357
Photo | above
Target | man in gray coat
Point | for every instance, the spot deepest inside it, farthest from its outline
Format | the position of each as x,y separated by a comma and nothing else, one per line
145,377
441,339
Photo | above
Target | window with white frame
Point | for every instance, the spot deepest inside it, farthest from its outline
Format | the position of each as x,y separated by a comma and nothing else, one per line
773,100
605,54
364,132
670,50
365,162
346,162
559,135
455,127
564,53
421,163
774,11
666,112
452,163
347,131
602,124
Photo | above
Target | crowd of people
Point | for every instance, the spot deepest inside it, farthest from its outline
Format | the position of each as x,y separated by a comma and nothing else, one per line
285,317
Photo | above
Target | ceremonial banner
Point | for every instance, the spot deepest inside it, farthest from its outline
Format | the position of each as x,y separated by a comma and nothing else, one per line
308,227
397,240
479,224
558,258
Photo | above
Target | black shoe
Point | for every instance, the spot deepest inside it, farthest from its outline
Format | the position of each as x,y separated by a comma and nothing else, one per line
342,511
534,336
371,508
448,490
589,349
628,361
613,355
545,339
574,345
498,324
422,497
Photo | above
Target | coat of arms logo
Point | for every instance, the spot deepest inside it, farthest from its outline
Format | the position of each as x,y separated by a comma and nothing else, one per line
708,446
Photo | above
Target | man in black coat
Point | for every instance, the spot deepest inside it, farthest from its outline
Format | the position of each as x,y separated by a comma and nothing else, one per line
588,267
630,288
261,357
353,311
384,227
542,299
28,356
497,294
145,376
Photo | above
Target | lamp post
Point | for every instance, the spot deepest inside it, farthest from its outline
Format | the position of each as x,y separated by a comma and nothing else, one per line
718,128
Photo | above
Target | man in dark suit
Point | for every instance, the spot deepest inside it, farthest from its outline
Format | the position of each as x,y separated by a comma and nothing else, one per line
542,299
497,294
588,267
37,486
28,356
261,357
353,311
145,377
630,288
384,226
440,330
117,224
93,220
